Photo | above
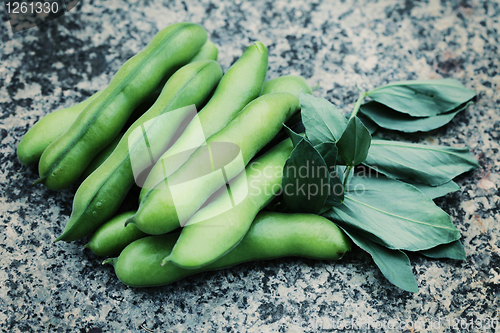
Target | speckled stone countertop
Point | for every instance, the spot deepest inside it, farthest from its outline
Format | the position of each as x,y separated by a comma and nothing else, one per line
336,45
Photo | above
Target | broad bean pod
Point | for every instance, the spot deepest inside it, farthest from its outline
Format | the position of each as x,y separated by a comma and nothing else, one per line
214,230
113,236
208,51
241,84
46,130
53,125
99,123
101,157
292,84
271,236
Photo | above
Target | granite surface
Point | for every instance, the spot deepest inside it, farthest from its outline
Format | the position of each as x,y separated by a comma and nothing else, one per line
337,46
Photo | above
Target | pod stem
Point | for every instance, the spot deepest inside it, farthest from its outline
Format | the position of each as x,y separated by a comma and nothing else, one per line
38,181
165,261
111,261
357,105
129,220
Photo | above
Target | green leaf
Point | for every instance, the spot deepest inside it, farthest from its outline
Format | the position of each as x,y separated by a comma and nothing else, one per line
322,120
388,118
369,124
454,250
437,191
394,264
425,164
393,214
336,196
295,137
354,144
423,98
305,179
328,151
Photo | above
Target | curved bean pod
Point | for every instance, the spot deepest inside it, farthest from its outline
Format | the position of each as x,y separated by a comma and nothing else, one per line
214,230
101,157
271,236
46,130
291,84
100,122
113,236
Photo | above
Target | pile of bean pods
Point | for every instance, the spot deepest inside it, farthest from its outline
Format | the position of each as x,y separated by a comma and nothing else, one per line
190,218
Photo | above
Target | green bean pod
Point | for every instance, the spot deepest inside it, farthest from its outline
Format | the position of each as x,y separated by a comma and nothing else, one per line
101,157
50,127
46,130
161,212
207,52
288,83
101,194
271,236
100,122
291,84
113,236
241,84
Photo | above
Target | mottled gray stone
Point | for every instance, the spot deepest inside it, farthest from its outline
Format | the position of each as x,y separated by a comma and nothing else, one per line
336,45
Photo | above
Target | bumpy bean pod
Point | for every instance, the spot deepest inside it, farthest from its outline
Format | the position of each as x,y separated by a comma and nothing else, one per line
100,122
113,236
240,85
272,235
101,194
290,84
161,212
50,127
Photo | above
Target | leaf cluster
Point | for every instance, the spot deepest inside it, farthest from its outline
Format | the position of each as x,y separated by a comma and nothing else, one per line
388,210
416,106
